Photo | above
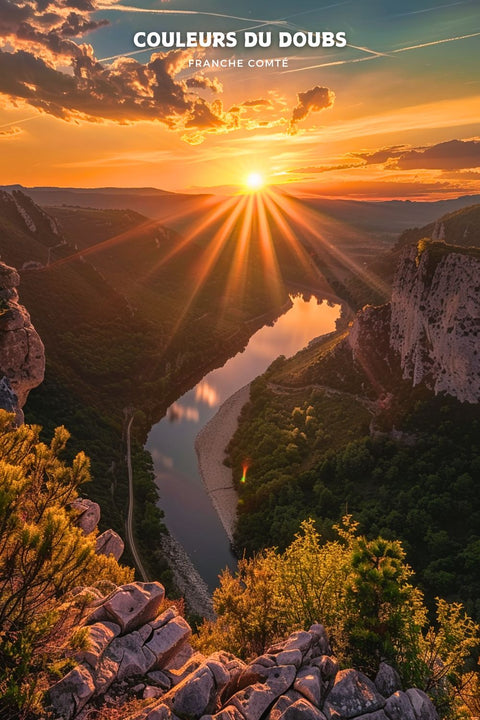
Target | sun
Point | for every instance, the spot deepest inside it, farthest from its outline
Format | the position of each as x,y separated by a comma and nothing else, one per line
254,181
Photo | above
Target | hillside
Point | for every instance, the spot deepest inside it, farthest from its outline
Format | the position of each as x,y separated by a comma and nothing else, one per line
460,227
131,317
380,419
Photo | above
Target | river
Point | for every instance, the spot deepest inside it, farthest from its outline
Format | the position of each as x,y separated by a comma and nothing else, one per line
189,513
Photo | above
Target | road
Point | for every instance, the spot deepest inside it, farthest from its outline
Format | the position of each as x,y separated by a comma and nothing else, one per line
129,523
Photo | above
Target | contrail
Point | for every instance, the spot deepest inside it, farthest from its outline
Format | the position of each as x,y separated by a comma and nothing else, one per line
431,9
374,57
157,11
436,42
17,122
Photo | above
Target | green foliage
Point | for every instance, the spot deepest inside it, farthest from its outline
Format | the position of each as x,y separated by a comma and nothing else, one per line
43,555
362,591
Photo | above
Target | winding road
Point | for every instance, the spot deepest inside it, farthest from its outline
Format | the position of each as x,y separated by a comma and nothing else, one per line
129,522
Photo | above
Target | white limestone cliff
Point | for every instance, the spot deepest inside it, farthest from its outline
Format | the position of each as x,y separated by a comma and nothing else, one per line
435,321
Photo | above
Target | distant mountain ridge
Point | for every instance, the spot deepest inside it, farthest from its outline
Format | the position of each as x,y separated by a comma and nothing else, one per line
385,217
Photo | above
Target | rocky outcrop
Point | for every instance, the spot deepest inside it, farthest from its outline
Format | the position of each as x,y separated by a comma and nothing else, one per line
87,518
110,543
135,648
22,355
430,331
435,320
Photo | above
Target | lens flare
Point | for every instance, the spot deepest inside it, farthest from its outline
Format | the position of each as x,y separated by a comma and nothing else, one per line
255,181
245,467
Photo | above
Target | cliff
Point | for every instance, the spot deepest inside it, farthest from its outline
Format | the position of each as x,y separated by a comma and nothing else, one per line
430,328
22,355
136,648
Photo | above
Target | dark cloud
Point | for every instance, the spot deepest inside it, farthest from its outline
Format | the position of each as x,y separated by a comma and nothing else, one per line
200,82
382,155
45,34
260,103
313,100
324,168
451,155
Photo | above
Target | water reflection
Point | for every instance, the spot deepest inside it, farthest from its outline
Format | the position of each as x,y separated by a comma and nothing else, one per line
189,513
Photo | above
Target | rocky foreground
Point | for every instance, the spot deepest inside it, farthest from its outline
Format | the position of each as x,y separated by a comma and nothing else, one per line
135,649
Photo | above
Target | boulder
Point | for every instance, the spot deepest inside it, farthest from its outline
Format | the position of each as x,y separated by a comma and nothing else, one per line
99,637
132,656
309,684
69,695
302,710
399,707
195,696
328,667
352,694
254,700
88,514
131,605
387,680
227,713
110,543
167,640
422,705
289,657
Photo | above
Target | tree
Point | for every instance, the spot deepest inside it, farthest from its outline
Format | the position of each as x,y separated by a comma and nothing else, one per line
43,554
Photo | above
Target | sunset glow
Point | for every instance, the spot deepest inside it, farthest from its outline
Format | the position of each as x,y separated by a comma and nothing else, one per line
254,182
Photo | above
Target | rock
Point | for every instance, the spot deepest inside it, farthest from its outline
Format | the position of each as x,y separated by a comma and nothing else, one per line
219,672
434,315
300,640
290,657
88,514
131,605
308,683
177,675
159,678
110,543
9,277
387,680
352,694
168,639
399,707
152,692
22,355
132,656
228,713
253,700
105,674
8,399
302,710
422,705
195,696
100,635
321,639
377,715
69,695
328,667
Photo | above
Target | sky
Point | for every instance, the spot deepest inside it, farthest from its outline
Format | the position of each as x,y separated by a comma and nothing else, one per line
393,114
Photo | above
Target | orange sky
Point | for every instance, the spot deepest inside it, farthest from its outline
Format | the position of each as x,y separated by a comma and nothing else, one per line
396,121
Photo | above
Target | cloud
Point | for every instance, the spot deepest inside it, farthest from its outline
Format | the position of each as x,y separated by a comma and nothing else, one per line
45,64
313,100
382,155
324,168
451,155
258,104
10,133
